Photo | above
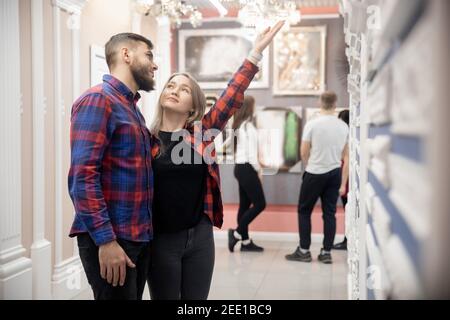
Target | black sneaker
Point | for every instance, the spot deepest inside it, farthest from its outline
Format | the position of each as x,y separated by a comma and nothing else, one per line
325,257
251,247
341,246
299,256
232,240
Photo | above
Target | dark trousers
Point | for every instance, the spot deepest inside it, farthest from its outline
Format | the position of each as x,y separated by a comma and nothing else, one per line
138,252
344,201
182,263
315,186
251,197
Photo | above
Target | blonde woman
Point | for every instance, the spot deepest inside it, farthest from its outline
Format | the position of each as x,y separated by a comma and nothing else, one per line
187,201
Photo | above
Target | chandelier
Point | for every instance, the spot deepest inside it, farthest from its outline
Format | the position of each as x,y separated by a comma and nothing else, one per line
260,13
174,10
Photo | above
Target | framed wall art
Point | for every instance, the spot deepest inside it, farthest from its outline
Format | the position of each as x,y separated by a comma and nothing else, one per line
212,56
299,61
279,138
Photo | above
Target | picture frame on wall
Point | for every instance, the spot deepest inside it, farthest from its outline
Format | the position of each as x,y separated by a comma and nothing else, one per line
212,56
279,138
299,61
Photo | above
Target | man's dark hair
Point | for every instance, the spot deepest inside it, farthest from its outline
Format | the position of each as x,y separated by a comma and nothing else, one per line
112,45
345,116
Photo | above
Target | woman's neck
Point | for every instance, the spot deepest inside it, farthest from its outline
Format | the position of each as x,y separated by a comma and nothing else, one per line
172,121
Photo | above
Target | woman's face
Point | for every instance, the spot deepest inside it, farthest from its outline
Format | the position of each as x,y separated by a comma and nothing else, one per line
177,95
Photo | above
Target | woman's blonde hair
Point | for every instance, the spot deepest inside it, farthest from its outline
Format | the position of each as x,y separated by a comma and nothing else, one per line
198,104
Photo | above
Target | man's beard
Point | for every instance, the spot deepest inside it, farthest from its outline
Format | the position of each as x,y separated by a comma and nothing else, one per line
142,78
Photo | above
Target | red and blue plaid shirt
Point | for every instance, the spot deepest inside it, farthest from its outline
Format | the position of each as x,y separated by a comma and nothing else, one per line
110,178
216,119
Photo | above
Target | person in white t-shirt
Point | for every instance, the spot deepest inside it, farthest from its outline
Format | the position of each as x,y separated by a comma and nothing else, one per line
324,145
247,172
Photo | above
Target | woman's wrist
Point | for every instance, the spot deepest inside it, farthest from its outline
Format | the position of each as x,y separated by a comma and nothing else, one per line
255,57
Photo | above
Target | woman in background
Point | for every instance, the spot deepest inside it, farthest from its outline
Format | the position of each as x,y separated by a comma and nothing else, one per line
247,172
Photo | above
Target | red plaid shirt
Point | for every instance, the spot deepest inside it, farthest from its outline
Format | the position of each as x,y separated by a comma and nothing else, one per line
201,141
110,177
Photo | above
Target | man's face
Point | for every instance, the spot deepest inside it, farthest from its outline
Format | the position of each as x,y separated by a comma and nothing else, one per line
143,68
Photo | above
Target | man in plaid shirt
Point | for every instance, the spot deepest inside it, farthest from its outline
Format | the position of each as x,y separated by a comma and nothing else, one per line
110,178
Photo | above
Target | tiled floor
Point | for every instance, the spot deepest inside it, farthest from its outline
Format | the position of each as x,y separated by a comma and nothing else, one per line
269,276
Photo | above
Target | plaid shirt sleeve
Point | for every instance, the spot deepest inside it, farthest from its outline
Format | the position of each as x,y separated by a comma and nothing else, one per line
231,99
90,134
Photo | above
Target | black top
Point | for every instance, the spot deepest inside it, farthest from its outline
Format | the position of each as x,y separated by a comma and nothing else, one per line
180,182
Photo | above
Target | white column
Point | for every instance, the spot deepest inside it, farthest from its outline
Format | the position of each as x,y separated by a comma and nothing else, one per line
162,59
74,25
136,20
41,253
68,278
15,269
59,114
364,162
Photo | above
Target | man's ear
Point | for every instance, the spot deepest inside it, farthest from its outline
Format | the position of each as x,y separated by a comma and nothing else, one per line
125,54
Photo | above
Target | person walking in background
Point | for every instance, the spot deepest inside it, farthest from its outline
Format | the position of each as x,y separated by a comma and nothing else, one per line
187,199
324,145
343,191
247,172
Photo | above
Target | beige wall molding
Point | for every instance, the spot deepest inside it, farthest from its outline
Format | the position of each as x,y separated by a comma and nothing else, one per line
15,269
74,8
59,115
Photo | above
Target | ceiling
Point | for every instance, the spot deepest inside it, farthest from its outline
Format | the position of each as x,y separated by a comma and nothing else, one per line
206,5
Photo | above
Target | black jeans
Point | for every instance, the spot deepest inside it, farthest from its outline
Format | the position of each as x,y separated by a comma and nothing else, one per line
250,192
182,263
344,201
315,186
138,252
